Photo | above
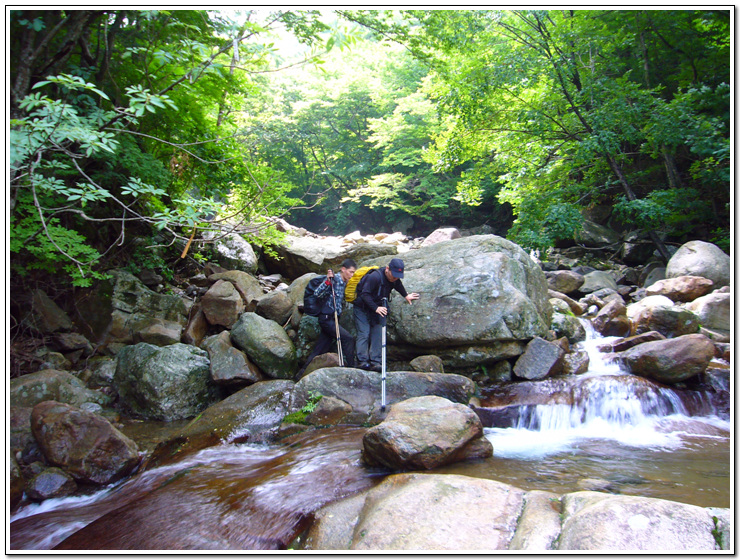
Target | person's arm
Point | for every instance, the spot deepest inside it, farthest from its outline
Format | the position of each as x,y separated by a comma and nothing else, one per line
324,287
402,290
369,287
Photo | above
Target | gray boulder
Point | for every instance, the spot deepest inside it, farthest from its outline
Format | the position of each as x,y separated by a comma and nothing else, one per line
713,310
233,252
564,281
362,390
229,366
266,344
478,294
276,306
428,363
83,444
596,521
222,304
52,385
598,280
595,235
167,383
699,258
50,483
659,313
540,359
568,326
671,360
422,433
248,286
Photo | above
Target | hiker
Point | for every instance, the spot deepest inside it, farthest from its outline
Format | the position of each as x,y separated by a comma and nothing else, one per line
327,316
369,311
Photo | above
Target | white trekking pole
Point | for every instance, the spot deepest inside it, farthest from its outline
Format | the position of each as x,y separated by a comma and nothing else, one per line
382,354
336,326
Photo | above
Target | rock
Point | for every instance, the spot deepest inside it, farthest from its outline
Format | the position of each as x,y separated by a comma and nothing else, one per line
252,414
362,390
713,310
248,286
671,360
428,363
330,359
222,304
569,327
334,523
699,258
576,363
481,297
575,307
441,234
69,342
17,482
540,359
298,287
598,280
595,235
167,383
612,319
196,328
45,316
156,331
52,385
658,313
596,521
308,254
630,341
19,428
539,525
85,445
266,344
438,512
421,433
233,252
564,281
276,306
681,288
110,312
229,366
53,360
50,483
329,411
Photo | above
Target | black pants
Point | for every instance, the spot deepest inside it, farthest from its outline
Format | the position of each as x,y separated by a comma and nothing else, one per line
327,338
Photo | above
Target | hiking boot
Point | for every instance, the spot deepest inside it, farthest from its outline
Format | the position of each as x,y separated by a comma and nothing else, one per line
365,366
375,367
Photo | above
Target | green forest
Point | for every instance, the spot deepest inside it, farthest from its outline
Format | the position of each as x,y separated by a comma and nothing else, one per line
133,131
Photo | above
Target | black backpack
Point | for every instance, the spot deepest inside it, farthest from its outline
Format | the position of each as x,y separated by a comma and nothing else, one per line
311,304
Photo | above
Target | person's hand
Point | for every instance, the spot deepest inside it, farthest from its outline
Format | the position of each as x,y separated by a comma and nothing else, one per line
382,311
412,297
330,274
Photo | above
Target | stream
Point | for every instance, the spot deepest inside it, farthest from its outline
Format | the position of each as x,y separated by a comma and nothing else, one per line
602,430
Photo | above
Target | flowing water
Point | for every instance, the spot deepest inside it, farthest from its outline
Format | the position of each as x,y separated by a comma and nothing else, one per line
602,430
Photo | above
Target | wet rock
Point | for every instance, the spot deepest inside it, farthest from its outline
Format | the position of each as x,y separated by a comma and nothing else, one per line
17,482
85,445
564,281
681,288
540,359
164,383
612,319
46,385
699,258
229,366
266,344
671,360
222,304
441,234
658,313
596,521
630,341
362,390
334,524
428,363
50,483
569,327
329,411
576,363
438,512
421,433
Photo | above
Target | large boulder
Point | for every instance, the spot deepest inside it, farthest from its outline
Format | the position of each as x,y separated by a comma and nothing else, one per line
362,390
671,360
438,512
50,483
266,344
595,235
301,254
612,320
83,444
222,304
422,433
659,313
699,258
564,281
167,383
540,359
252,414
45,316
229,366
52,385
233,252
598,280
713,310
681,288
441,234
118,306
597,521
248,286
482,298
276,306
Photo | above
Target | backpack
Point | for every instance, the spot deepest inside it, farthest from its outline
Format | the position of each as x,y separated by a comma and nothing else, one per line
311,304
350,292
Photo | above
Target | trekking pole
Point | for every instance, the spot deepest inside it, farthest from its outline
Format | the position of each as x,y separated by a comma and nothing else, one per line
336,325
382,354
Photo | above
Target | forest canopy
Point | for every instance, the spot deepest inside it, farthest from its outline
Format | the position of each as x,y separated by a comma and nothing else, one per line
135,129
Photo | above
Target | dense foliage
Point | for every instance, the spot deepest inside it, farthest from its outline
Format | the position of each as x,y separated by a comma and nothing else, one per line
158,125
